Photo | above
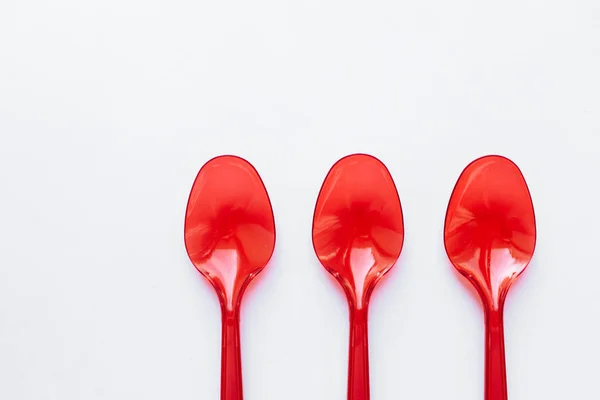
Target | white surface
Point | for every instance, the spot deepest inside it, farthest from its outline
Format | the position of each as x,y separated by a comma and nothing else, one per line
108,109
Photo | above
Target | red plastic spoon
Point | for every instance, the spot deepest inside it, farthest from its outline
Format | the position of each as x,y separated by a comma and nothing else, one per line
358,233
229,237
489,237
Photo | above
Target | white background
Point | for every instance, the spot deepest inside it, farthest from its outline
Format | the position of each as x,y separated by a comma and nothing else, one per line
109,108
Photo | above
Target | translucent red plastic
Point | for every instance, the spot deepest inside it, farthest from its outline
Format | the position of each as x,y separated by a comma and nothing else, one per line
229,237
358,232
490,236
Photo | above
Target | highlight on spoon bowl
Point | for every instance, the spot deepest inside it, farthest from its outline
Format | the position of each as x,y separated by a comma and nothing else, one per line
229,237
489,237
358,232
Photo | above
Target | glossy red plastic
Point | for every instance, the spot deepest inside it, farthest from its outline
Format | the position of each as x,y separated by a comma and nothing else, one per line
358,232
490,236
229,237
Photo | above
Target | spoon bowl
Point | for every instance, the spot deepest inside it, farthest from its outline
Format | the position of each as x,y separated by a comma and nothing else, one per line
229,237
489,237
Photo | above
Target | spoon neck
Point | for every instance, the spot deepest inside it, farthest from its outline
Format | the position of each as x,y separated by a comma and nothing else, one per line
230,316
358,300
494,314
494,327
495,305
359,313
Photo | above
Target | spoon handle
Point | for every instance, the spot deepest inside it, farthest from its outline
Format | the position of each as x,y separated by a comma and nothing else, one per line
495,364
231,360
358,360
